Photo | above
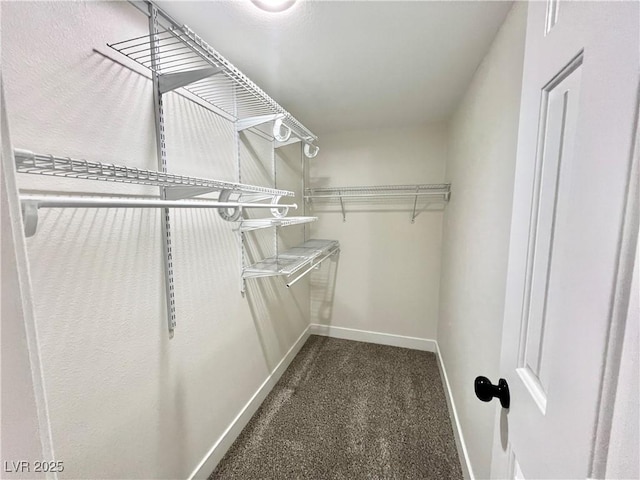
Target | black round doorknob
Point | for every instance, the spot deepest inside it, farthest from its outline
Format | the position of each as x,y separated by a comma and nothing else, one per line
485,390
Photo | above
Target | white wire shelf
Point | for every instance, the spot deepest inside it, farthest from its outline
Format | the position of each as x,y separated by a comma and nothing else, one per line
441,190
419,193
310,254
232,197
186,61
249,224
29,162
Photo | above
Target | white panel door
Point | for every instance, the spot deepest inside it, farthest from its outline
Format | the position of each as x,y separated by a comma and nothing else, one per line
576,131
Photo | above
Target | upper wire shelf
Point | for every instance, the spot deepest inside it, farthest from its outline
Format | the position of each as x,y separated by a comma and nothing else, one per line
380,191
183,59
439,192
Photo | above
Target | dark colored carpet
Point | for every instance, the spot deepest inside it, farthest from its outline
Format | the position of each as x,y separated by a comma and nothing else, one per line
349,410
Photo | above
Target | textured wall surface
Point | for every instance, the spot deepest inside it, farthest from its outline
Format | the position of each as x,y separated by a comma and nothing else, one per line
24,432
482,148
124,400
389,269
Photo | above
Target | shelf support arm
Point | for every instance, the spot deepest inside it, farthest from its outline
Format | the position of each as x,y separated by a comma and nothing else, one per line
171,81
415,204
178,193
344,215
249,122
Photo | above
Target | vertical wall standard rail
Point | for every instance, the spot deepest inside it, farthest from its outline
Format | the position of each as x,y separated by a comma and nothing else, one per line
154,30
241,234
275,182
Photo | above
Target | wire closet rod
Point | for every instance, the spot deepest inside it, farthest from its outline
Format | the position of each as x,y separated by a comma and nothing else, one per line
59,201
363,195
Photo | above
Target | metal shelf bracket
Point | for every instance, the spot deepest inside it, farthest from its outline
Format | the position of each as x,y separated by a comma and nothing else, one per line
415,203
250,122
178,193
171,81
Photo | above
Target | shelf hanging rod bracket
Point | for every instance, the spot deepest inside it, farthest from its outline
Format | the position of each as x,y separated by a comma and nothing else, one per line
30,218
344,215
171,81
310,150
250,122
415,204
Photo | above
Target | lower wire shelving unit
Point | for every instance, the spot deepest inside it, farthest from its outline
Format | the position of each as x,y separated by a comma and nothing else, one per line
289,262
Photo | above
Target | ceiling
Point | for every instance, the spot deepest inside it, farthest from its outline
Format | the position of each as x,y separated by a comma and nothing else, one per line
346,65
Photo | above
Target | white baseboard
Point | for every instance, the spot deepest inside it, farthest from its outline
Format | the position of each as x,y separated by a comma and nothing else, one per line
367,336
463,455
213,457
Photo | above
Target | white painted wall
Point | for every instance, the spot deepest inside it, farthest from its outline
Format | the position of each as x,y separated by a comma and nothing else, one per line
124,400
24,435
482,148
389,269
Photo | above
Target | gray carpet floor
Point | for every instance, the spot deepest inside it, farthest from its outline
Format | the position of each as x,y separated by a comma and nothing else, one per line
349,410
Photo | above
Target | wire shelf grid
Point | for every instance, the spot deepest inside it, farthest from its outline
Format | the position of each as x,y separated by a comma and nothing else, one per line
380,191
292,260
421,196
181,51
33,163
